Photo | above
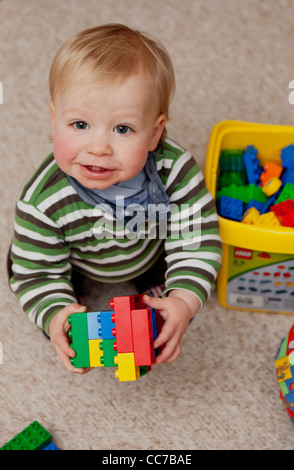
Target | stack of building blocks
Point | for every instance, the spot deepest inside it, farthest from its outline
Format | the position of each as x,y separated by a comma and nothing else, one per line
33,437
254,194
285,372
121,337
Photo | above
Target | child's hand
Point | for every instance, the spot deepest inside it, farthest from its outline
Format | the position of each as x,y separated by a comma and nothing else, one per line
58,329
177,310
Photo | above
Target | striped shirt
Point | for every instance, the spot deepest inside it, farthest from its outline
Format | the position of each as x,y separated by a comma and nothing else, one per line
56,231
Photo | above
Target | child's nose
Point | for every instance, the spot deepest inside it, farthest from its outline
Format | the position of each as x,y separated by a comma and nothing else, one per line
99,145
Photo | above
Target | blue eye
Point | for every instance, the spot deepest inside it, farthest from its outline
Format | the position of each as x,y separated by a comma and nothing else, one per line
80,125
122,129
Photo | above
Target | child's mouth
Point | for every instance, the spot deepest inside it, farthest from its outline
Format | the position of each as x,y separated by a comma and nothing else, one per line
96,171
96,168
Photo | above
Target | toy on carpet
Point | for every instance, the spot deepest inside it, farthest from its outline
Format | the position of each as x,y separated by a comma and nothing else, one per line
33,437
121,337
285,372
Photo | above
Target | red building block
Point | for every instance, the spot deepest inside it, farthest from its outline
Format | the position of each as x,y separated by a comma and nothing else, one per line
288,220
285,212
283,208
123,324
142,337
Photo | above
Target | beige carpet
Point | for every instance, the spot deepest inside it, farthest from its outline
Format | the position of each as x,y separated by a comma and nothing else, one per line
233,60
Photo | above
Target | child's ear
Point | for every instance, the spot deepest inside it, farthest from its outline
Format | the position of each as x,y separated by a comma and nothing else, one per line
52,117
157,131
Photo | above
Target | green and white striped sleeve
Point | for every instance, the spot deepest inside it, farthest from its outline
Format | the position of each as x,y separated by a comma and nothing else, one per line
41,270
193,244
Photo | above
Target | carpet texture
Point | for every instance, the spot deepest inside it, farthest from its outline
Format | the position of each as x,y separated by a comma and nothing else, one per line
233,60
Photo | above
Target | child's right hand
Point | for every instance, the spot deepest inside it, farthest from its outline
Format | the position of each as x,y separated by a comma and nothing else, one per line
58,329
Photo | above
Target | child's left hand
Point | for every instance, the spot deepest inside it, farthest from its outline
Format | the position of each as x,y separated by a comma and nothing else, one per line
177,310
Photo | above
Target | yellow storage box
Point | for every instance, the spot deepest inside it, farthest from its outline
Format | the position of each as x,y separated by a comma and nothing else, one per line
258,263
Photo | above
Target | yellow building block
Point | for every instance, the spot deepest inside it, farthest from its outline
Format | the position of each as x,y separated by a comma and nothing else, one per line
251,216
95,352
126,367
268,219
272,186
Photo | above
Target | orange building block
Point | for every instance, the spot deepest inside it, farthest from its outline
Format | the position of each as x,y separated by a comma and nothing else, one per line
270,169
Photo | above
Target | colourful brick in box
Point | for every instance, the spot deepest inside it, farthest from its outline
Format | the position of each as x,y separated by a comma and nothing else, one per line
258,262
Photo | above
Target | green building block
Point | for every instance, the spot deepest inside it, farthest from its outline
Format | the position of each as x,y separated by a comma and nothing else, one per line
226,179
33,437
286,193
78,334
244,193
109,353
143,370
232,160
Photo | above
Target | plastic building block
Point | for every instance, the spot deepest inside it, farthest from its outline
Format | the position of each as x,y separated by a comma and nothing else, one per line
123,323
266,187
100,339
269,220
287,176
287,157
288,220
33,437
269,202
127,370
251,216
230,208
142,337
51,446
286,193
252,165
107,325
109,353
271,186
283,208
244,193
79,336
256,204
232,160
255,193
226,179
95,353
93,325
270,169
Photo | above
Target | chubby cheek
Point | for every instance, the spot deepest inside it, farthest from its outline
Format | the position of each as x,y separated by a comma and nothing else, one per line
64,151
135,160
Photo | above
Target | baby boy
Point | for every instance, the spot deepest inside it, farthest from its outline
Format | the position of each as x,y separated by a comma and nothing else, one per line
110,88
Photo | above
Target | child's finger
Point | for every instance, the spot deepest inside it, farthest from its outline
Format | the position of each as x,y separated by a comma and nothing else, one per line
154,302
171,351
164,336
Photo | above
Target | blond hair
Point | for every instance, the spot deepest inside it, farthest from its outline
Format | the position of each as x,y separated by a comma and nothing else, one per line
113,52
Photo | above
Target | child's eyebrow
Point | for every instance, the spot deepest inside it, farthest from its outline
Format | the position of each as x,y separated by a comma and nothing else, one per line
72,110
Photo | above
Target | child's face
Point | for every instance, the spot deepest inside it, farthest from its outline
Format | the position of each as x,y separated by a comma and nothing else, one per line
102,134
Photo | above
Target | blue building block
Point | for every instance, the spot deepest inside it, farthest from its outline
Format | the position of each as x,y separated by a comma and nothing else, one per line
257,204
287,157
51,446
253,169
94,325
107,325
230,208
288,176
154,329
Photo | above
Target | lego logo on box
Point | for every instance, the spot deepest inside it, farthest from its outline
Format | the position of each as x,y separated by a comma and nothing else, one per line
242,253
